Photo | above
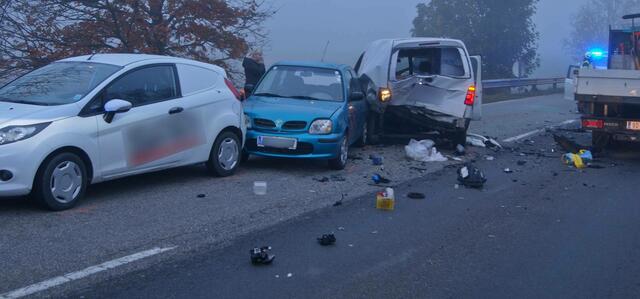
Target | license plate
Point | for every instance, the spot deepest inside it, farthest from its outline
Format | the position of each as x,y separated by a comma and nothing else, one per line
278,142
633,125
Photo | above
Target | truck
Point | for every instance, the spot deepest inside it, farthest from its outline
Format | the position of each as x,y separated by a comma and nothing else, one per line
609,99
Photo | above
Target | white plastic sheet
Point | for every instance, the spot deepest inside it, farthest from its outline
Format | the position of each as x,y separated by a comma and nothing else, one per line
423,151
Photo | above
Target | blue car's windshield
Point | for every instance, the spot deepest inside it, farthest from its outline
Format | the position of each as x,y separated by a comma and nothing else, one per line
306,83
57,83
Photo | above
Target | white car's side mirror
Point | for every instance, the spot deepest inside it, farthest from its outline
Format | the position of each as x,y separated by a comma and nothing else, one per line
112,107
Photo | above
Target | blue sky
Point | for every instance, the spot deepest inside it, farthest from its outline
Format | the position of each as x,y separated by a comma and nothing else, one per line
301,29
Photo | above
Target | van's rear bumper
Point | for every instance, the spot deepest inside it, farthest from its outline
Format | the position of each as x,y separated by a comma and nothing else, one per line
410,119
621,128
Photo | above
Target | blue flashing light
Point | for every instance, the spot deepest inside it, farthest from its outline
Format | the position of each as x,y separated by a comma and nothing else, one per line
598,54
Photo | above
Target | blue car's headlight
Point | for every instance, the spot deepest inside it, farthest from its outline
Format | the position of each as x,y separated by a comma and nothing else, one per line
16,133
321,127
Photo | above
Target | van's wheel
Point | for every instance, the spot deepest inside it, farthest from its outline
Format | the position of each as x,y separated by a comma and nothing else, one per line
459,136
364,138
600,140
340,162
373,137
61,182
225,155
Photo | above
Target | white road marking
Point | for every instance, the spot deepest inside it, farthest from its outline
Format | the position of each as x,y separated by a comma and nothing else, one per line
534,132
69,277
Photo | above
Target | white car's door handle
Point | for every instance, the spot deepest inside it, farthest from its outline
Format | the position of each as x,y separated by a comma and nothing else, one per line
176,110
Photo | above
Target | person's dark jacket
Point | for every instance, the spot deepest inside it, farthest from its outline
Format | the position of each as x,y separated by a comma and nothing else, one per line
253,71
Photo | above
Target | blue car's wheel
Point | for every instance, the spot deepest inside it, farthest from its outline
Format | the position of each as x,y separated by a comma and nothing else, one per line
340,162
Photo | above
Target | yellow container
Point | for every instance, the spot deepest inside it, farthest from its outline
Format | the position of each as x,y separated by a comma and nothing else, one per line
384,203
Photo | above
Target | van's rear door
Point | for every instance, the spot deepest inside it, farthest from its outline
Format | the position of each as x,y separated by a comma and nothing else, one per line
476,61
434,76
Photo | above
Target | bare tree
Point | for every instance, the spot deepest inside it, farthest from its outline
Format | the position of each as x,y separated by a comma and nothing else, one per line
36,32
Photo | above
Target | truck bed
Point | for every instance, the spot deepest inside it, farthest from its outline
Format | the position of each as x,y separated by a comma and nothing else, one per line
609,83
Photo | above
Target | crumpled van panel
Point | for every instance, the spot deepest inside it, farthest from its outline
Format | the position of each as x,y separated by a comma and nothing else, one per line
441,94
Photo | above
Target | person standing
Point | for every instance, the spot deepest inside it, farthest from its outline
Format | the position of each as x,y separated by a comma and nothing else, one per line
254,69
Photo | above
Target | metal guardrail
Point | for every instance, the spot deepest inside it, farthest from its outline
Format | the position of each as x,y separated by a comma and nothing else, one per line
504,83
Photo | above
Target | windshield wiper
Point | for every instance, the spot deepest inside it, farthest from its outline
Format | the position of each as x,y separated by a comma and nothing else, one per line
306,98
268,94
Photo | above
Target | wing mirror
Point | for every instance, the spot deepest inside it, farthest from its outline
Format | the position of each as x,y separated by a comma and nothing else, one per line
356,96
113,107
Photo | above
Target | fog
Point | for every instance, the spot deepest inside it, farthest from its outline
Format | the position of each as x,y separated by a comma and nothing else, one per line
301,28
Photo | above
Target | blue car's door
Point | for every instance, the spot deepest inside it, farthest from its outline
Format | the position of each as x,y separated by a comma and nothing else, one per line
357,107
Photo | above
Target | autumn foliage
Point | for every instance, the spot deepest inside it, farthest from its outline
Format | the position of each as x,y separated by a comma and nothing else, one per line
36,32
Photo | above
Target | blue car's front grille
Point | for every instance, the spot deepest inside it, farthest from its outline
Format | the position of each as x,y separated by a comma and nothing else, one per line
295,125
264,123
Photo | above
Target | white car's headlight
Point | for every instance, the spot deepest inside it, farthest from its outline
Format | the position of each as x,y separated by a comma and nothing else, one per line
321,127
16,133
247,121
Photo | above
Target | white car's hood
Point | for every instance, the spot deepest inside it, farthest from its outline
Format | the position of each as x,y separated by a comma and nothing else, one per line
23,114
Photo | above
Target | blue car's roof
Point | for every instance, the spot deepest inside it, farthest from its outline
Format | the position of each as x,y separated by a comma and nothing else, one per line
317,64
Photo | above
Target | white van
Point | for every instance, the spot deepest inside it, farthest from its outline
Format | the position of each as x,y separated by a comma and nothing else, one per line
418,85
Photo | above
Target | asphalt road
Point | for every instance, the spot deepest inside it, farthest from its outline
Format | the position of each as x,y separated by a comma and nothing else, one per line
162,210
544,231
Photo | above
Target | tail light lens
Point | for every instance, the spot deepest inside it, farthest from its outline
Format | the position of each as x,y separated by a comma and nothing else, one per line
384,95
593,124
233,89
470,99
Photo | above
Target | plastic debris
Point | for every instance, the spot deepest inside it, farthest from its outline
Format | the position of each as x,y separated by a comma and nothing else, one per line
327,239
341,228
261,256
423,151
376,160
508,170
471,176
579,160
202,195
385,200
289,275
260,188
489,158
378,179
416,195
482,141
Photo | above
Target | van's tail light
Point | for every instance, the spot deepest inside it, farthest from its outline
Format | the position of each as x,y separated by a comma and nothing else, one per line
593,124
384,95
233,89
470,99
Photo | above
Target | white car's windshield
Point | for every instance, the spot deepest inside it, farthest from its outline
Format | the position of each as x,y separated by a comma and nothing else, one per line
302,83
57,84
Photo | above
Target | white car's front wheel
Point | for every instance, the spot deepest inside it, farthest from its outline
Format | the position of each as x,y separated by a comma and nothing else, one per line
225,155
61,182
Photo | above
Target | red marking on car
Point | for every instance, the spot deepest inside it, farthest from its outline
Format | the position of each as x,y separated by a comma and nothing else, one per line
146,156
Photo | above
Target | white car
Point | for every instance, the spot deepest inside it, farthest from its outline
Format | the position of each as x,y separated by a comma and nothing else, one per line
95,118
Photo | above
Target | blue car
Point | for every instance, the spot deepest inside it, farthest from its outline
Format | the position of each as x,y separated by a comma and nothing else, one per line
306,111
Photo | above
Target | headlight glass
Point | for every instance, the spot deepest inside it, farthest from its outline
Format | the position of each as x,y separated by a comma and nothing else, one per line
16,133
247,121
321,127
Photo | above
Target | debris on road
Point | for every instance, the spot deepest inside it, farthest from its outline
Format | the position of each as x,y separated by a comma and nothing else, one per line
423,151
471,176
483,141
376,159
341,228
416,195
460,150
202,195
378,179
521,162
385,200
580,160
489,158
508,170
260,188
566,144
289,275
323,179
339,202
261,256
338,178
327,239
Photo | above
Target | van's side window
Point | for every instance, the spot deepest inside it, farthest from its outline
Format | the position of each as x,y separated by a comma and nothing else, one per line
144,86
